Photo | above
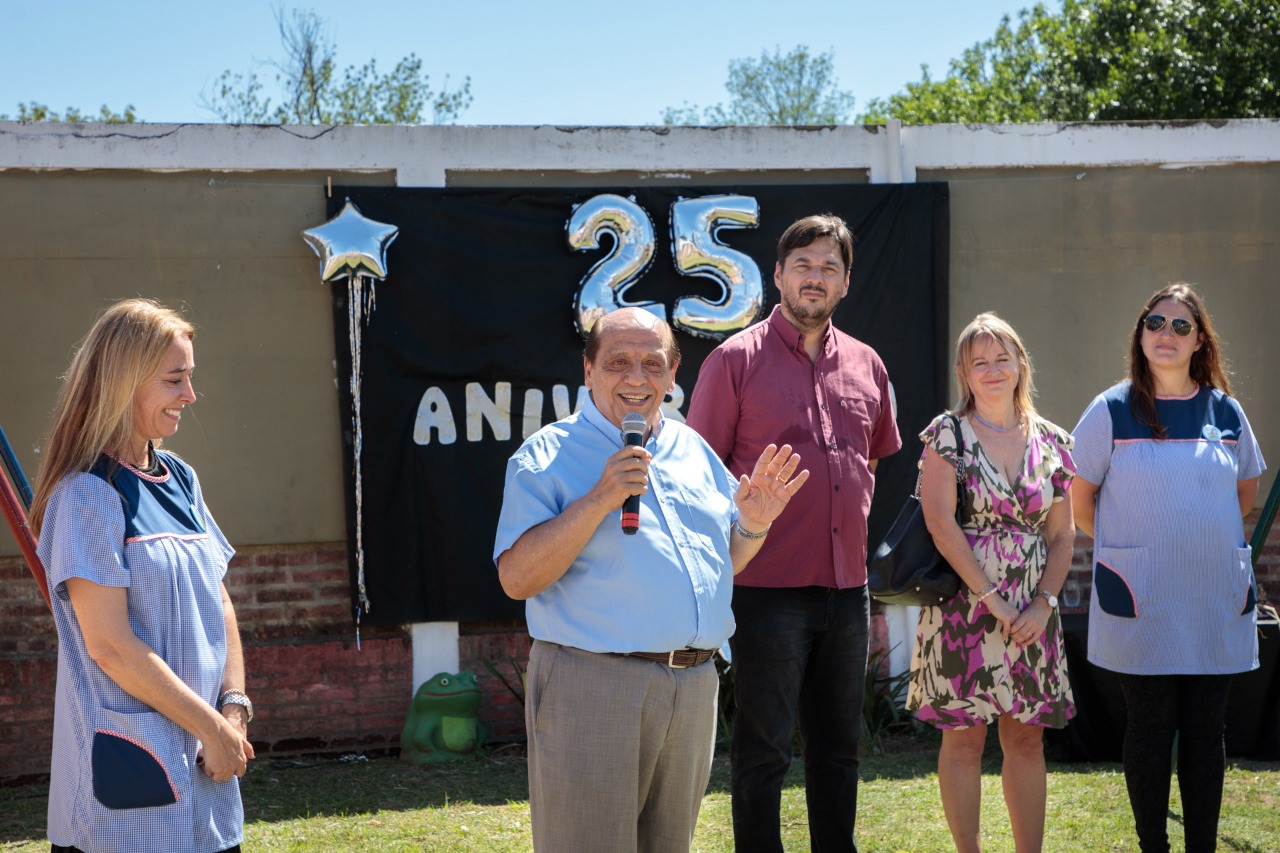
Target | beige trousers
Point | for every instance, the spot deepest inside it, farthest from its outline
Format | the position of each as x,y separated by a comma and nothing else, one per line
619,751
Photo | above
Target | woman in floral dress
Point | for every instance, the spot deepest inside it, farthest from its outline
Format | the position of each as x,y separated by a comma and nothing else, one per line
994,652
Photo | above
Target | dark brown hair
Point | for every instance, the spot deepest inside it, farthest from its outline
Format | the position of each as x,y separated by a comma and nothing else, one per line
802,232
1207,364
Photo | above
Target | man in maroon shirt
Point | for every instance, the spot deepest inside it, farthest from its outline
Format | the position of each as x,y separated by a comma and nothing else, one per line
800,649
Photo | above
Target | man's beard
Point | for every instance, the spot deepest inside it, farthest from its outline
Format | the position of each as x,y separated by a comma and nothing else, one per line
807,317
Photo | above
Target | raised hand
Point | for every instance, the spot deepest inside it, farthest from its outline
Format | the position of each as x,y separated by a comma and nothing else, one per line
762,496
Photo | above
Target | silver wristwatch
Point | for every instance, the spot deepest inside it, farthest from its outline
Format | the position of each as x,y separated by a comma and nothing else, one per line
1051,598
237,697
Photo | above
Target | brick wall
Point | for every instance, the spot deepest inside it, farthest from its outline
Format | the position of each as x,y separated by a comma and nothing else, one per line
506,646
1268,567
28,667
313,691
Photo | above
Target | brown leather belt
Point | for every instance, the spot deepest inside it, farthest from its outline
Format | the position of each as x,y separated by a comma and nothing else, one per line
679,659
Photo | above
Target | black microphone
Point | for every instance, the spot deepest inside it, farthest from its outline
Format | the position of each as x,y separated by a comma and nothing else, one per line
633,427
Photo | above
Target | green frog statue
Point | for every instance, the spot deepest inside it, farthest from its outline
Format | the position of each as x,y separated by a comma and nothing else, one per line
441,724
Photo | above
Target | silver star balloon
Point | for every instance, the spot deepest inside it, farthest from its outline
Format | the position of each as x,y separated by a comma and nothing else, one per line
354,247
351,244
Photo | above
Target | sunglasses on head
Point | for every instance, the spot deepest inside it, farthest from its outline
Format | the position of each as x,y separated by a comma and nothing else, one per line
1181,327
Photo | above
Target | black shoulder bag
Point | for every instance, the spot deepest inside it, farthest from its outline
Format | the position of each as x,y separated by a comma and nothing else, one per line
907,568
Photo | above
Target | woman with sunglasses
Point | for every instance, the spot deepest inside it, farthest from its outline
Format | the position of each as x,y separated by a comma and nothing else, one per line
1167,468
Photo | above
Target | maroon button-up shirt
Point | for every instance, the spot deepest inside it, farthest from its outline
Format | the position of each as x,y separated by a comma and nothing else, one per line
759,388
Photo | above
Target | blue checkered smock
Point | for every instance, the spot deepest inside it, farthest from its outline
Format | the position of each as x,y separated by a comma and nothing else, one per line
124,777
1173,585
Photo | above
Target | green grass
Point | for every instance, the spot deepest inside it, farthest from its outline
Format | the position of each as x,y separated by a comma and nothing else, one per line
387,805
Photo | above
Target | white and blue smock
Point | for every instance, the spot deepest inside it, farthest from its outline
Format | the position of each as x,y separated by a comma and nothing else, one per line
124,777
1173,586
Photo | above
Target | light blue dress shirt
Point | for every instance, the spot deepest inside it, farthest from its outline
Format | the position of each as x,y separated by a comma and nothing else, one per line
668,586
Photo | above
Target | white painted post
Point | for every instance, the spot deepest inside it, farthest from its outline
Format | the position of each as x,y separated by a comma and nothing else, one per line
435,649
435,644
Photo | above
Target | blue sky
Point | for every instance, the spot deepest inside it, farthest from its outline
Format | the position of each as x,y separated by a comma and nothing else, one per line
532,62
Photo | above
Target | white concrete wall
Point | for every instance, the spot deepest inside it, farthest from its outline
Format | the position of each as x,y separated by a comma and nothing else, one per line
423,155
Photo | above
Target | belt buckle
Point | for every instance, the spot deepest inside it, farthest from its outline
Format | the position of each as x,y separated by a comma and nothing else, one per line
671,660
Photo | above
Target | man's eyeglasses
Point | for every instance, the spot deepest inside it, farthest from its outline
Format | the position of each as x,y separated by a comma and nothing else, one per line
1181,327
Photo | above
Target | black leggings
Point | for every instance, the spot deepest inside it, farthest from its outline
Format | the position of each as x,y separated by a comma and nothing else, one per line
1193,707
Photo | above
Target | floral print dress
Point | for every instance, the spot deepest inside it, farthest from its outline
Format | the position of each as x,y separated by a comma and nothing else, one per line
962,672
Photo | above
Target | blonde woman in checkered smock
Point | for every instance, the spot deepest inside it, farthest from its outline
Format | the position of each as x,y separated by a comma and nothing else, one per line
151,720
994,652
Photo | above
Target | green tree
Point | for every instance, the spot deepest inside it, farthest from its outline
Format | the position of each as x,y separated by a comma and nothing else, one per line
1108,60
313,93
1180,59
36,111
1014,76
796,88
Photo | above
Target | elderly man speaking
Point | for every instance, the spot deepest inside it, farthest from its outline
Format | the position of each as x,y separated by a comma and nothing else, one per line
621,704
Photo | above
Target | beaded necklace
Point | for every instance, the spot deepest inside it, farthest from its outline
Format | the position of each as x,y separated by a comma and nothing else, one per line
988,424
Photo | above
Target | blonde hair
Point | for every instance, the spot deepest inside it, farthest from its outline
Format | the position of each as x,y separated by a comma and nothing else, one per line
988,326
94,413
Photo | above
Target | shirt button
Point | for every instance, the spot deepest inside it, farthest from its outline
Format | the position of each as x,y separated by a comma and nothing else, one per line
835,530
824,407
837,487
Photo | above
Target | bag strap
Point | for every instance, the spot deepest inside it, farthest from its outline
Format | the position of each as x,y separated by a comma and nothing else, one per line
959,465
955,426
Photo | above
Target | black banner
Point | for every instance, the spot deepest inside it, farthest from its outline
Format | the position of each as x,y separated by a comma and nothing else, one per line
473,344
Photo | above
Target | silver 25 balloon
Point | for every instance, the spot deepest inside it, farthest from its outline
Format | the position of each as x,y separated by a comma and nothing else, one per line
604,287
695,223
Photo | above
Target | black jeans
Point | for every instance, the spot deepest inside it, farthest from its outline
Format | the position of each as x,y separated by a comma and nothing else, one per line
797,653
1194,707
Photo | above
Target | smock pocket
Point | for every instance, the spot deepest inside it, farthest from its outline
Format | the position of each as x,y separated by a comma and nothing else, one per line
1111,585
1244,567
129,771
